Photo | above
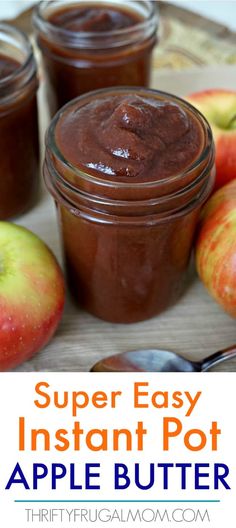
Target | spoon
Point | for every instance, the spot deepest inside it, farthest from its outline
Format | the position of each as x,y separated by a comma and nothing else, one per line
155,360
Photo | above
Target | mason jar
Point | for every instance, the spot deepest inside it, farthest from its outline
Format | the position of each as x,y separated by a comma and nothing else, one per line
97,52
127,243
19,143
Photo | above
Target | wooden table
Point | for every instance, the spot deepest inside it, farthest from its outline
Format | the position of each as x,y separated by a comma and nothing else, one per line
195,327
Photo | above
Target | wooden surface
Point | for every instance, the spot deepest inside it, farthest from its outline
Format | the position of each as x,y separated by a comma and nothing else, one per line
195,327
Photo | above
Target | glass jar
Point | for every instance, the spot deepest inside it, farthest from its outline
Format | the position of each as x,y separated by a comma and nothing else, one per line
127,245
19,144
76,62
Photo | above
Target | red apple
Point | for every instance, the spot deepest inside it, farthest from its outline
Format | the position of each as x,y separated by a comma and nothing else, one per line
219,108
31,295
216,247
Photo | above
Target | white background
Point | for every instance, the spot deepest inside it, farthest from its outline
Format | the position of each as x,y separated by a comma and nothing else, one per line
215,404
223,12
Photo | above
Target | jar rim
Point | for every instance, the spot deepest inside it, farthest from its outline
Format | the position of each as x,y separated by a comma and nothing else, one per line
11,85
89,177
15,32
74,38
68,186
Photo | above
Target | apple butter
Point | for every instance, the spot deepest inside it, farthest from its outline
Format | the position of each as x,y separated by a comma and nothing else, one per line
129,169
19,146
91,45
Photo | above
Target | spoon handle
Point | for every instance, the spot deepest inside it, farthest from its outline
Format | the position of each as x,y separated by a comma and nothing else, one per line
218,357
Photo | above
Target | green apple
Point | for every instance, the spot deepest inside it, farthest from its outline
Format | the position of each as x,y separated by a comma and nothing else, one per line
31,295
219,108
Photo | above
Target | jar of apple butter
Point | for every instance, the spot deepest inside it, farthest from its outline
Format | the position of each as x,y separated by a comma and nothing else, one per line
88,45
129,169
19,145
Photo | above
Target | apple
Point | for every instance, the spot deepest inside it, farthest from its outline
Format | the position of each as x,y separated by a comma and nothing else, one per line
219,108
31,295
216,247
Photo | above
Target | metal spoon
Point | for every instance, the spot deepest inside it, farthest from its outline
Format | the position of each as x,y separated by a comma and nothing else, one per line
160,361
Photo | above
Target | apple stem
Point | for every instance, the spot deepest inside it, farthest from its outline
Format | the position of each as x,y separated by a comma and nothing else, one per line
232,121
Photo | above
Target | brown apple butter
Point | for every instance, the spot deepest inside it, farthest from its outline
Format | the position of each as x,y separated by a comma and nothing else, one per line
129,170
91,45
94,17
19,160
129,137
